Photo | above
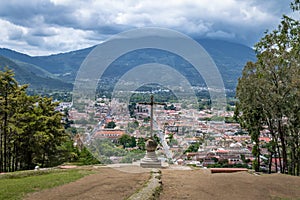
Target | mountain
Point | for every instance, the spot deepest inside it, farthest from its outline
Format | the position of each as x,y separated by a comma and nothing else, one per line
28,74
229,57
64,65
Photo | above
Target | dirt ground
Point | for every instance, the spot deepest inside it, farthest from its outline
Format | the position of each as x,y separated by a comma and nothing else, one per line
106,183
201,184
122,182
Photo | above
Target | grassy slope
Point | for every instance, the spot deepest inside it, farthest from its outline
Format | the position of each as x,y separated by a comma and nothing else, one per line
17,185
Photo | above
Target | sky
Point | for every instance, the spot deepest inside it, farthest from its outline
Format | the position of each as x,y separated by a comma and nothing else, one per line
44,27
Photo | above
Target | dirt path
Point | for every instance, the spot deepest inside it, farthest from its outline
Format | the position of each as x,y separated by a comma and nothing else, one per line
201,184
110,184
106,183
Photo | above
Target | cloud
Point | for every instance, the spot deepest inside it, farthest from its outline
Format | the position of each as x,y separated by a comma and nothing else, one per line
44,32
11,32
29,13
221,34
63,25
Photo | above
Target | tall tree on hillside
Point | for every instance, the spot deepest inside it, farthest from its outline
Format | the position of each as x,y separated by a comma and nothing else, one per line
24,125
9,92
31,131
248,92
50,132
268,92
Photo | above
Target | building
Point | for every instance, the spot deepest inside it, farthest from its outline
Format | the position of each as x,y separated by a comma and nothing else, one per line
112,134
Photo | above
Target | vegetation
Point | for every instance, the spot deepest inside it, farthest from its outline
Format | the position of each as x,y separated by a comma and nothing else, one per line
111,125
31,132
141,143
16,185
193,147
105,149
132,126
269,93
171,140
133,156
127,141
226,165
85,157
40,80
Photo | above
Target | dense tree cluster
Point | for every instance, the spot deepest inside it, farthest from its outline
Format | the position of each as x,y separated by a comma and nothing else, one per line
127,141
31,131
269,95
106,150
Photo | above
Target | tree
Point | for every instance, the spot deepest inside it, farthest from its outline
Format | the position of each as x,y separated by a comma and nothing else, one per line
171,140
50,132
111,125
87,158
127,141
31,132
141,143
9,93
269,93
193,147
248,108
146,120
132,126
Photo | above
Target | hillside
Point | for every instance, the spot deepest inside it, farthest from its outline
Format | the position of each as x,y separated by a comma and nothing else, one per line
64,65
34,76
229,57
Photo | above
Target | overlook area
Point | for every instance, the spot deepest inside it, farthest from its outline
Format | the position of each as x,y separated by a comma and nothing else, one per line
149,100
121,183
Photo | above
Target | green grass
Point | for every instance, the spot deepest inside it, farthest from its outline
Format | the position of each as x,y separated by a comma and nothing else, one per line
17,185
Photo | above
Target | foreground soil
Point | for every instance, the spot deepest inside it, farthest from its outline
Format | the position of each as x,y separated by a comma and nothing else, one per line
201,184
106,183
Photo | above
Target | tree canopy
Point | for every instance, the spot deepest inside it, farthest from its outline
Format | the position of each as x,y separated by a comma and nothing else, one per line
269,94
31,131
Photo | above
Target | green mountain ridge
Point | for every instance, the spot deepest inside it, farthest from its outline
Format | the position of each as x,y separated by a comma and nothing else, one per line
229,57
63,65
36,78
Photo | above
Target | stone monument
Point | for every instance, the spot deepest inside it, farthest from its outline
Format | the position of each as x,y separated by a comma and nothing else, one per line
150,160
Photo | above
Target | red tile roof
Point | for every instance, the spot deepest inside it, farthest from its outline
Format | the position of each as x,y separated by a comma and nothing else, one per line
109,133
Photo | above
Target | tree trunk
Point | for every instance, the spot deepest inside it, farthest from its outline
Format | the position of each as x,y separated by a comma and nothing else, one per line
5,143
283,147
276,163
279,158
43,159
270,162
298,157
14,157
294,160
1,151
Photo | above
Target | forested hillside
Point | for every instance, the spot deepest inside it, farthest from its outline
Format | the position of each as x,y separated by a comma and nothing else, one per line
229,58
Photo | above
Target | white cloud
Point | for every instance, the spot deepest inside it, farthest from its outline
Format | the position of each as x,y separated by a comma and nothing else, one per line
69,38
11,35
11,31
51,26
221,34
